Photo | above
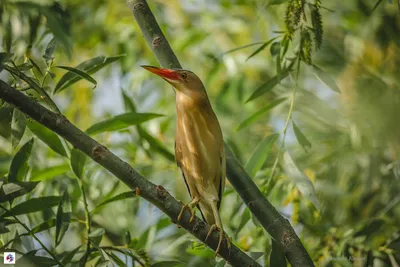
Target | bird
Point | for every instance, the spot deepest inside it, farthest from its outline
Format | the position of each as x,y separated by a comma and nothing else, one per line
199,147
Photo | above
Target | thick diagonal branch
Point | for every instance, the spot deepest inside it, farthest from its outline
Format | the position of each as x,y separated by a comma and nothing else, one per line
277,226
157,195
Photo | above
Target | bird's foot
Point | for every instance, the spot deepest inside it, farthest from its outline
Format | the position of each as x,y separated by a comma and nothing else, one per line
221,237
190,208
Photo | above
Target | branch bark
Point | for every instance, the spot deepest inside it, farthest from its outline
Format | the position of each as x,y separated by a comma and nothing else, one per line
277,226
155,194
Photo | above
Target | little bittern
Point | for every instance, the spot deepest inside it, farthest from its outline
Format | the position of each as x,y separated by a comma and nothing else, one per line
199,146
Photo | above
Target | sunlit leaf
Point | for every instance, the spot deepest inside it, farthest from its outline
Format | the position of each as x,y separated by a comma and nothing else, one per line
35,66
18,125
50,48
89,66
241,47
325,78
78,160
258,115
63,217
19,164
121,196
301,181
120,122
260,154
261,48
268,86
34,205
47,136
49,172
301,138
80,73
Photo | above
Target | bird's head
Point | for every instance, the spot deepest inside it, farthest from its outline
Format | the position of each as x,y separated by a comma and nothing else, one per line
184,81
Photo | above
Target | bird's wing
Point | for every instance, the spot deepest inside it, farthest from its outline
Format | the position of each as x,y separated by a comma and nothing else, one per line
178,158
222,176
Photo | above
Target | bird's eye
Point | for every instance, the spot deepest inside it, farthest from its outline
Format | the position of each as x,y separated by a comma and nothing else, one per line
183,75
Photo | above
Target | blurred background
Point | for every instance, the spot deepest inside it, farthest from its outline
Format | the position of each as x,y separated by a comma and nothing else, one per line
323,144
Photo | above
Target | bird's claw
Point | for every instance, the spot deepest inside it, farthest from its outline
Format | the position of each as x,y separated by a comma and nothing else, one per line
221,237
183,209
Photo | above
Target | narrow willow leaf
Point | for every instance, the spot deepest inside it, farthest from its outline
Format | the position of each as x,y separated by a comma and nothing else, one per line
49,172
34,205
10,191
96,236
117,260
260,154
121,196
268,86
261,48
63,218
244,219
120,122
376,5
301,138
44,226
29,260
6,113
301,181
258,115
241,47
47,136
35,66
19,164
156,145
78,160
325,78
277,257
70,255
18,125
80,73
90,66
256,255
50,48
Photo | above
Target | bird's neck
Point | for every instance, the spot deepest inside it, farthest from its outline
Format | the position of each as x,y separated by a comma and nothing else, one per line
192,103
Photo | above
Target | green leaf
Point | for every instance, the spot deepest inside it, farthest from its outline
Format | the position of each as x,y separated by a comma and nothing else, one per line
301,138
34,205
257,255
13,190
155,144
96,236
277,257
18,125
36,66
29,260
120,122
118,197
258,115
49,172
166,264
78,160
261,48
50,48
81,74
6,114
70,255
19,164
244,219
47,136
325,78
4,57
63,217
301,181
260,154
89,66
275,48
241,47
117,260
44,226
268,86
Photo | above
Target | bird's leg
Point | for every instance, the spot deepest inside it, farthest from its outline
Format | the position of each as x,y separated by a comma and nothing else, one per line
189,206
218,226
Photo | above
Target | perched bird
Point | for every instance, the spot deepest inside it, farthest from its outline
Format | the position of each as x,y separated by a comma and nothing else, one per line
199,146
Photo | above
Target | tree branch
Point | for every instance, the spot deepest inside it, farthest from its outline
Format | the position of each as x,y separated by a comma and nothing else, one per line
277,226
155,194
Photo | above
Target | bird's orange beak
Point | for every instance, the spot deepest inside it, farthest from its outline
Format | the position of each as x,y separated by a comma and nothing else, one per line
163,73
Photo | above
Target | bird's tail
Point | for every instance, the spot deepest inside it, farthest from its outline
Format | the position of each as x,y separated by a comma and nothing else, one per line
206,212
